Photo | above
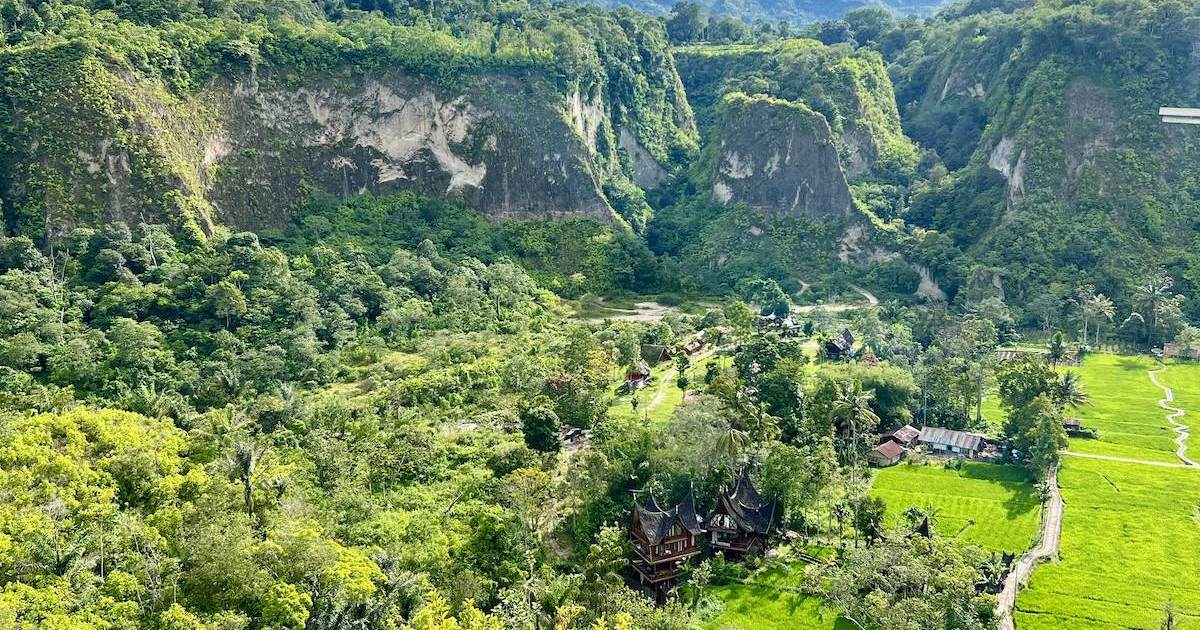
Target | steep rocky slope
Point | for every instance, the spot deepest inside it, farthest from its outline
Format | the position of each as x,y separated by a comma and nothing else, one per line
778,156
1064,172
94,134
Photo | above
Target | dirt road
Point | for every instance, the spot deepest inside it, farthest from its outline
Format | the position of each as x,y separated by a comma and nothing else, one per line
1046,549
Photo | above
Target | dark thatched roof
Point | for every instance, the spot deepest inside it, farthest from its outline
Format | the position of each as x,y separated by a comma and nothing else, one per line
749,510
656,523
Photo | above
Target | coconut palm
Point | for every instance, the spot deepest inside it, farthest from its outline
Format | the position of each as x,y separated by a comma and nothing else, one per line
1150,296
1101,308
733,443
1068,391
852,412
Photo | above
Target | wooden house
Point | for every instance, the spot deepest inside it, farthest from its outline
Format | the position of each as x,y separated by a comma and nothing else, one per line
638,377
741,520
888,453
840,347
904,436
663,540
655,354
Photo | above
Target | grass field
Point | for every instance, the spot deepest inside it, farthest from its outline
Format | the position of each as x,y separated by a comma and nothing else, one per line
996,507
1124,408
657,401
1131,542
766,602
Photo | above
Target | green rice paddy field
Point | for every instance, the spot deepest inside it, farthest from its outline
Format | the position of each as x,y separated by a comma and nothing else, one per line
766,602
1124,408
1131,531
996,507
1130,543
1184,379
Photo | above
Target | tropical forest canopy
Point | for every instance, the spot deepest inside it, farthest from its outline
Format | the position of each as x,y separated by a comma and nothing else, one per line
300,302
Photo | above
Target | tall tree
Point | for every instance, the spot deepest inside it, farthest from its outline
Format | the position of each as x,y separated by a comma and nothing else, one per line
852,414
245,460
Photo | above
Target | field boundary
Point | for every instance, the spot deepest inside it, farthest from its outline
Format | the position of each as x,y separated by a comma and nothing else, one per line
1180,428
1045,549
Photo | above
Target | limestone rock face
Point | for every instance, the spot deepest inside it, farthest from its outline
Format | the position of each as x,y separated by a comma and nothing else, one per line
780,157
503,147
246,149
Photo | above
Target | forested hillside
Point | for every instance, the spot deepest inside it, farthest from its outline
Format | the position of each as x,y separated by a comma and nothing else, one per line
796,11
391,315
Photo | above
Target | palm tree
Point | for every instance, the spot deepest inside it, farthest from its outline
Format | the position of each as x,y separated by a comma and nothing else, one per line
1057,349
852,410
733,443
1101,308
1150,296
245,459
1068,391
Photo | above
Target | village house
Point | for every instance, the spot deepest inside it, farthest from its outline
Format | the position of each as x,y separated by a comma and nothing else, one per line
663,540
904,436
840,347
575,439
1173,350
950,442
655,354
638,377
888,453
741,520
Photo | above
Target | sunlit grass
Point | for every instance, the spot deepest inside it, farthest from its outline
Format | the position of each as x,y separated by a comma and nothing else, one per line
1124,408
768,601
1183,377
996,507
1131,542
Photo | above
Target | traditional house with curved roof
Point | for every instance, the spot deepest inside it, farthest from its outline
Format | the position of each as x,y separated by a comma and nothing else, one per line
663,540
741,520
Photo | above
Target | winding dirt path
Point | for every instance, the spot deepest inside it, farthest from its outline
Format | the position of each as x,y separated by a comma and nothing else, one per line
1047,548
1181,429
871,299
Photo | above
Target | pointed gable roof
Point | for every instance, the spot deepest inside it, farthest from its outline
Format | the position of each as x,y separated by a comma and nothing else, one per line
655,523
749,510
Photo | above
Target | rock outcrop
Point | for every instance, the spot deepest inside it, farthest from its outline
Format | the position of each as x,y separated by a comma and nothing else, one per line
502,145
247,147
778,156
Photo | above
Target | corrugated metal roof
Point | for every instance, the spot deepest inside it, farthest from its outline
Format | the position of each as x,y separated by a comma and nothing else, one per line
950,437
889,449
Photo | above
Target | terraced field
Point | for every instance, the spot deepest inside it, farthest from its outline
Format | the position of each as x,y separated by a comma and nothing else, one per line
996,507
1130,543
1124,408
1184,379
1131,531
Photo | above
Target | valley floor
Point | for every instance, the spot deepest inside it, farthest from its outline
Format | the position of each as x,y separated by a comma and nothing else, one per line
994,506
1131,529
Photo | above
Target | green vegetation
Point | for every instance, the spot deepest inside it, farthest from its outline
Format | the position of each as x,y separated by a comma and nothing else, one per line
996,507
1128,548
396,404
1124,408
770,599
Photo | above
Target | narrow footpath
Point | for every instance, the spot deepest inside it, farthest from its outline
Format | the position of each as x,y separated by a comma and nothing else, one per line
1181,429
1047,548
1052,512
